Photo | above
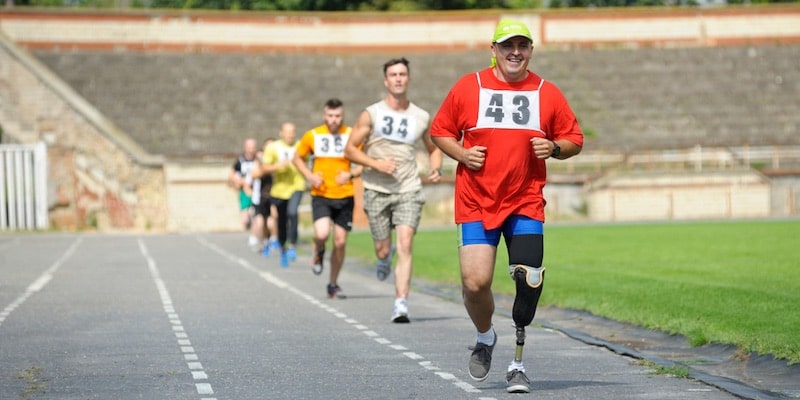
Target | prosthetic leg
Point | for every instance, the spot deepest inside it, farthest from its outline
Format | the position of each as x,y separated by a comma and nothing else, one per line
529,282
525,253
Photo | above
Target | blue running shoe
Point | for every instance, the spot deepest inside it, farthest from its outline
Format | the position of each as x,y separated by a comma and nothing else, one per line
291,253
274,245
265,251
284,259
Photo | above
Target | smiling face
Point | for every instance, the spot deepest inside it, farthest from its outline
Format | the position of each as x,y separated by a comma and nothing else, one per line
513,56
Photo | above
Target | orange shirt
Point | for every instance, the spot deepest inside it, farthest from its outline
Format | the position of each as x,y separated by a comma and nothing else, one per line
329,161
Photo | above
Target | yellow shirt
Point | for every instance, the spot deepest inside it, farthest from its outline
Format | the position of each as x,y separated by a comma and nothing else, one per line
329,161
287,180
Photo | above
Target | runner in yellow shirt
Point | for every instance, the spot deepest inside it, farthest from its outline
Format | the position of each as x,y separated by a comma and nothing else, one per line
288,185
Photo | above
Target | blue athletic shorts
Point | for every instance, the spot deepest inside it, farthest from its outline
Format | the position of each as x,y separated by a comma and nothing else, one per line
474,233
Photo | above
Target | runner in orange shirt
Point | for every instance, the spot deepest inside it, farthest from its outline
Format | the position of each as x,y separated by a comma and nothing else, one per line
332,193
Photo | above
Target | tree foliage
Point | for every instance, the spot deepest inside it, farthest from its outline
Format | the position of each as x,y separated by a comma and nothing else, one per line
376,5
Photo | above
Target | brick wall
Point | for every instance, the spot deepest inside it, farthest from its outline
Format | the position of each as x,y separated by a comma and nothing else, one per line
97,176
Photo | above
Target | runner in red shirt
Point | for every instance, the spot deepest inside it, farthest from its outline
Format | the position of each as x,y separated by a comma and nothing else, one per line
501,124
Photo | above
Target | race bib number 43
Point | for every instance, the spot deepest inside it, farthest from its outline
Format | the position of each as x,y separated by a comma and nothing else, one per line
508,109
329,145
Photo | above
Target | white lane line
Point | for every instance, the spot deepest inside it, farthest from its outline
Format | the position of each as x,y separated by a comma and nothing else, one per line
269,277
199,375
204,388
428,365
413,356
181,337
40,281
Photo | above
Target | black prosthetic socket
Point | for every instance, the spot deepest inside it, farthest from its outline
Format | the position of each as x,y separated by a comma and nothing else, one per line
526,300
526,250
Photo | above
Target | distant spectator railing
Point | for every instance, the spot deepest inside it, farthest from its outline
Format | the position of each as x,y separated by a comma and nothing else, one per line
696,158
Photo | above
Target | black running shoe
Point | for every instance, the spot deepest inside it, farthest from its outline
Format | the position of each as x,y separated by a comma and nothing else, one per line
316,267
335,292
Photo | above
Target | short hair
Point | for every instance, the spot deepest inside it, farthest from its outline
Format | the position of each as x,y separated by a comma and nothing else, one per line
395,61
333,103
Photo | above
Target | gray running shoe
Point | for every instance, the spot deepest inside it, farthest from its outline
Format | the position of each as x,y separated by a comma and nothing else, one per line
384,265
517,382
481,360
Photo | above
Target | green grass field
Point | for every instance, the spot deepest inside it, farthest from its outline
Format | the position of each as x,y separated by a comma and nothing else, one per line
714,282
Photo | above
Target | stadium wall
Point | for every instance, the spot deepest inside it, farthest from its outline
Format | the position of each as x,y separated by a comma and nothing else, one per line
100,178
680,196
323,32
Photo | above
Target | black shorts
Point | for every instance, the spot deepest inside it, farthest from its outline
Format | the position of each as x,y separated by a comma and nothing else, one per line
340,211
262,208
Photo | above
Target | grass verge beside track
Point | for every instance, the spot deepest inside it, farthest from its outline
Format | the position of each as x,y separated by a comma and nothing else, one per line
732,282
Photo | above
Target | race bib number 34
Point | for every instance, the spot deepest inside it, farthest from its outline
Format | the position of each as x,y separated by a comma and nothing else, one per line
508,109
329,145
396,127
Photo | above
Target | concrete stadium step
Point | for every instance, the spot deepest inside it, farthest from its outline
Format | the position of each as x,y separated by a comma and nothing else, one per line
195,103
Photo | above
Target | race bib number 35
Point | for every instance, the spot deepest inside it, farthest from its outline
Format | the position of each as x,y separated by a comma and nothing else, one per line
508,109
329,145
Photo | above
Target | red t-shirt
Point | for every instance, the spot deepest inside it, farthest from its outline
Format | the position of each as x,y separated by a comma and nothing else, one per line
503,117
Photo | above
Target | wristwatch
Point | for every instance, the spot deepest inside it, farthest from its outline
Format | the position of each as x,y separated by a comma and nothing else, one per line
556,150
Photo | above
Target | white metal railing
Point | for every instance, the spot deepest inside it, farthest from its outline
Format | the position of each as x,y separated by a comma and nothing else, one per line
695,158
23,187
